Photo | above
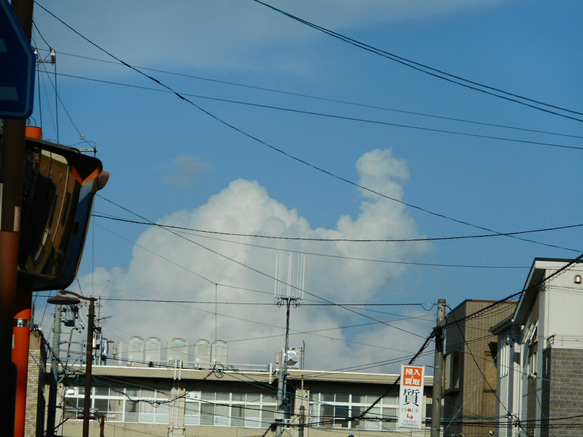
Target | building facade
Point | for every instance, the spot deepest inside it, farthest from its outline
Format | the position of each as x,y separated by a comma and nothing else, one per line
541,355
136,401
470,398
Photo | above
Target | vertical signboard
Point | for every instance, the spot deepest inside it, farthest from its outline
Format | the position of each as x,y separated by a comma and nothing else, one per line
411,397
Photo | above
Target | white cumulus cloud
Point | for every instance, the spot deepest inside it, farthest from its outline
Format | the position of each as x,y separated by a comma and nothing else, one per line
221,283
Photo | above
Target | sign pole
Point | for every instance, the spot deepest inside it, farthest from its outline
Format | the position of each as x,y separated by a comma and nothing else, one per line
11,175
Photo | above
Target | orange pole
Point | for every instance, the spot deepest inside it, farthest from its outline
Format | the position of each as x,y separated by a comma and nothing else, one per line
11,175
8,262
21,338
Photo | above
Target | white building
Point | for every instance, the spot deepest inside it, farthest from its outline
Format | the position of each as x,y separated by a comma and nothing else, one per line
540,354
133,401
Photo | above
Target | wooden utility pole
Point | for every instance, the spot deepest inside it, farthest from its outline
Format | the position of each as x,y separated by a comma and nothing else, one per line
438,371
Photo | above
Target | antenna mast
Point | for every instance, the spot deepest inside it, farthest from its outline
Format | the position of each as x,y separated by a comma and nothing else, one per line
294,293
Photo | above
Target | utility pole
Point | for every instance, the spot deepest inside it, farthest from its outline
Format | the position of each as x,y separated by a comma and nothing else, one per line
302,421
438,370
71,298
282,399
177,403
54,382
88,366
293,296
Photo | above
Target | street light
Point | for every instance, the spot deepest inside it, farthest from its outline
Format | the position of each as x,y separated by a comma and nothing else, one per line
70,298
59,301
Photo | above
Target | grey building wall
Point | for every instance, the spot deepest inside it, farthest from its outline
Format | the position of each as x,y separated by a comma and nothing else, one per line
562,394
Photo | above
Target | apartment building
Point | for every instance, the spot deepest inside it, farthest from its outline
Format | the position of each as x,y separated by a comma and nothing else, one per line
540,362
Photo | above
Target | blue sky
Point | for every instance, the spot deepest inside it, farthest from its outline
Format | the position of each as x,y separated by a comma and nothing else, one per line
443,153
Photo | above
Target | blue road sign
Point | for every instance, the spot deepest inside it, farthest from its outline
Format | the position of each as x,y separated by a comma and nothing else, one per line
17,67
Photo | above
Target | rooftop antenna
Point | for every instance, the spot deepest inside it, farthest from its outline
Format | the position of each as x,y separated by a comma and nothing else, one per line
288,293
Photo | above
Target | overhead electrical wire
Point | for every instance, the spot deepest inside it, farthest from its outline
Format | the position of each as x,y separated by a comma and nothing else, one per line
327,302
341,117
295,332
424,346
199,302
316,332
58,100
284,153
295,158
519,294
382,261
458,80
305,302
482,372
336,240
493,306
429,239
309,96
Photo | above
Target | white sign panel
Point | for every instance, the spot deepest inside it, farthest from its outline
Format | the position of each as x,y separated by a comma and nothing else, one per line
411,397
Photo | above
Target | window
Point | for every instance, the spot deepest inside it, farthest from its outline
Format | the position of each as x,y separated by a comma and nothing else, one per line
122,405
222,415
192,413
250,410
267,416
452,374
238,415
490,375
339,410
504,358
253,409
131,411
531,340
207,414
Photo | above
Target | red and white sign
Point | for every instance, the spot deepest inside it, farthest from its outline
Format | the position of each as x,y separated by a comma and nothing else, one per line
411,397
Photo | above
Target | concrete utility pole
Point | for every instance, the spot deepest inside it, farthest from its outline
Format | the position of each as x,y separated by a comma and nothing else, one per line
282,399
88,366
438,371
293,297
177,404
54,382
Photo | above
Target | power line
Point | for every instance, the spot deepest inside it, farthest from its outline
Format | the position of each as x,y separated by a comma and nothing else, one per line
199,302
517,295
353,119
310,96
283,152
458,80
342,257
335,240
